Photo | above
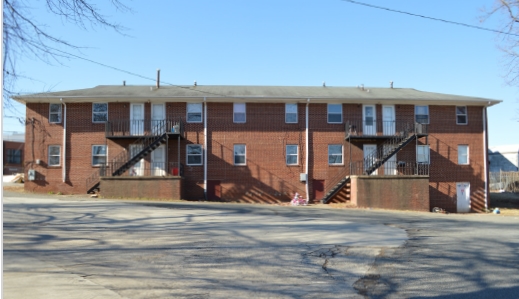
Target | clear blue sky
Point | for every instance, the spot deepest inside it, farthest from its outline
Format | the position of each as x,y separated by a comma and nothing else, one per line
289,43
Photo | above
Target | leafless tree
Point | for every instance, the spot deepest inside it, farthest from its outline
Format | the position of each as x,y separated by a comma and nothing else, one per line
25,37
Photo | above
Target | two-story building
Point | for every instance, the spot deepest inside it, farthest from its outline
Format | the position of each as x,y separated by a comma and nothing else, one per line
379,147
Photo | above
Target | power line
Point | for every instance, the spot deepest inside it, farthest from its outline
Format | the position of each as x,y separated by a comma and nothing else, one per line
430,18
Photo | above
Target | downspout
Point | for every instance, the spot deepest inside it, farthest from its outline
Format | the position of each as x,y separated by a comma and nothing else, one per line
307,151
485,154
205,149
64,169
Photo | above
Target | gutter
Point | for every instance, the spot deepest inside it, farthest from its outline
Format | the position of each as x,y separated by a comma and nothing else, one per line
64,167
307,158
485,154
205,149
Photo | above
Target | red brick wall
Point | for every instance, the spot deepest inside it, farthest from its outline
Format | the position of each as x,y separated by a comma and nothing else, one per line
142,187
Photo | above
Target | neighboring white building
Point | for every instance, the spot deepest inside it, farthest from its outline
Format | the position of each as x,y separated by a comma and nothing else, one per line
504,158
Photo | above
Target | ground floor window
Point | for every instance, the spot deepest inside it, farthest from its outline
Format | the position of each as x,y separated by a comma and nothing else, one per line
239,154
98,155
335,154
194,154
54,155
463,154
422,154
291,154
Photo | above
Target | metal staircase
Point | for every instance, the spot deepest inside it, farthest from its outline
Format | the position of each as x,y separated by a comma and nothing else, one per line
335,189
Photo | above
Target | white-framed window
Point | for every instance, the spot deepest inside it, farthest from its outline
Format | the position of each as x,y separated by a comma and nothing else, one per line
194,112
99,112
194,154
98,155
422,154
240,154
54,155
335,113
55,113
463,154
291,113
335,154
292,154
239,114
421,114
461,115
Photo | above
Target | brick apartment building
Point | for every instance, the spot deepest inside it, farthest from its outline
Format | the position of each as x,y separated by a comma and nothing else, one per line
378,147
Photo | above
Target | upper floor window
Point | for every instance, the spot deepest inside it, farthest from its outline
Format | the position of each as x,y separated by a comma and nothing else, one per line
55,113
194,112
291,155
54,155
239,115
335,154
99,112
194,154
461,115
421,114
98,155
14,156
240,154
463,154
334,113
422,154
291,113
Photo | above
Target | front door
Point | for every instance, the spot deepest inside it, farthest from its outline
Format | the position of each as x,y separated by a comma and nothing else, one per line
158,116
463,197
214,190
370,156
138,168
390,165
369,120
318,190
158,161
137,119
388,120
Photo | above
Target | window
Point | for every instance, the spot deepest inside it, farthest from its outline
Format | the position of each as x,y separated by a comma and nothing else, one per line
194,112
194,154
14,156
334,113
55,113
292,155
98,155
463,154
422,154
54,155
421,114
461,115
239,113
291,113
335,154
239,154
99,112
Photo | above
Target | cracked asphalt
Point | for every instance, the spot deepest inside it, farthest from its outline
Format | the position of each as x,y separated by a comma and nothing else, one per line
75,247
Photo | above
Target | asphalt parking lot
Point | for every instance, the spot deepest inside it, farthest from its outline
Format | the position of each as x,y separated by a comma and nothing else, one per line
75,247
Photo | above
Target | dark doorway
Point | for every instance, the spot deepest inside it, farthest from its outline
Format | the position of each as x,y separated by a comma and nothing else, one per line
318,190
214,190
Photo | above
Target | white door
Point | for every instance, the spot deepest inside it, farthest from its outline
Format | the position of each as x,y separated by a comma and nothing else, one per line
138,168
463,197
369,120
390,165
388,119
158,161
158,116
370,156
137,119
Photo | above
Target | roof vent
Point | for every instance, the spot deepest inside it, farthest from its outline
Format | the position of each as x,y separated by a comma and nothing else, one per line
391,84
194,83
158,78
324,84
124,82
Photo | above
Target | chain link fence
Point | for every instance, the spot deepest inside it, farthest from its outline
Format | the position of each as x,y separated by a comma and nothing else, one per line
504,182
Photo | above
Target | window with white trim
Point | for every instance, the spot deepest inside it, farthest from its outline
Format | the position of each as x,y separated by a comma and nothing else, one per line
422,154
461,115
54,155
240,154
292,154
194,154
335,154
55,113
334,113
463,154
421,114
98,155
239,114
291,113
194,112
99,112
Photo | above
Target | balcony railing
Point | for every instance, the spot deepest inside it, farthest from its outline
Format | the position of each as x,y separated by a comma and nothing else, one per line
391,168
146,169
138,128
379,128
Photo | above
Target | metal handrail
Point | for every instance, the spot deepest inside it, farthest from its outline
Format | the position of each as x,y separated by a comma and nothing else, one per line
398,168
360,128
144,127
